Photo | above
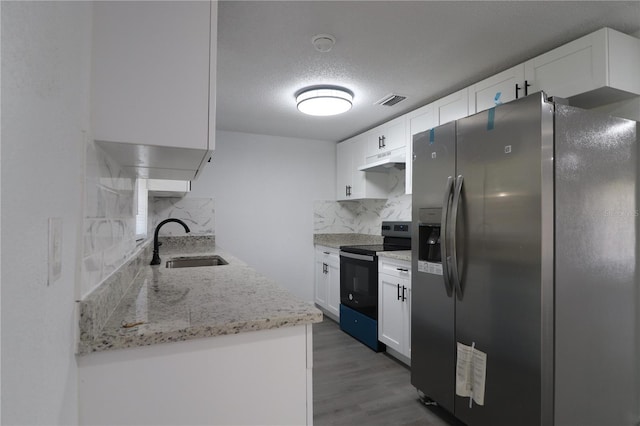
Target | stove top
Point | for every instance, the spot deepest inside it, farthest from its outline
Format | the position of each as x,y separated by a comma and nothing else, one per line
397,236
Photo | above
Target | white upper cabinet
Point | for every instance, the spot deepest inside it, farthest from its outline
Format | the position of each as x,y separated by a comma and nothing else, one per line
597,69
419,120
386,138
351,183
153,84
452,107
498,89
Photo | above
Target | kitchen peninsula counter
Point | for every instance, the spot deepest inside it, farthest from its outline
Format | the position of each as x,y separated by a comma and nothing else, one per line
175,304
191,346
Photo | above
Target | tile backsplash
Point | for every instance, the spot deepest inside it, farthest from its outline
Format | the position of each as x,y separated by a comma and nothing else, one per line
197,213
363,216
110,217
109,222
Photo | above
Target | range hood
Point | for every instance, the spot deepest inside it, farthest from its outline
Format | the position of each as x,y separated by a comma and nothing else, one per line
385,162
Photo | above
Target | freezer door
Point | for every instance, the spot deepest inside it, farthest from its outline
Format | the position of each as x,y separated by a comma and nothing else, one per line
432,305
597,294
502,153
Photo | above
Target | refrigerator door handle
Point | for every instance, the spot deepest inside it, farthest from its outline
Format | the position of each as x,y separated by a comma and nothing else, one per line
446,272
454,249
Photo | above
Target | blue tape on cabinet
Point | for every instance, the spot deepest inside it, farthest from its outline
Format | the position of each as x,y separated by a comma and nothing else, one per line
490,120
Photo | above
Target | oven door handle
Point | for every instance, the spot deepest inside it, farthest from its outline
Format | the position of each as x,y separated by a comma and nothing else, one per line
357,256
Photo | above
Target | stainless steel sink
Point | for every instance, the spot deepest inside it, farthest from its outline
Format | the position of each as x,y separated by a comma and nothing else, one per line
192,262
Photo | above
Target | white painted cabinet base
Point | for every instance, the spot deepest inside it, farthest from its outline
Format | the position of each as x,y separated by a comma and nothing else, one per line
262,377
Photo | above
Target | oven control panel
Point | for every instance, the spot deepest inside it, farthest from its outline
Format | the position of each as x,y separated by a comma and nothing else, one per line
396,229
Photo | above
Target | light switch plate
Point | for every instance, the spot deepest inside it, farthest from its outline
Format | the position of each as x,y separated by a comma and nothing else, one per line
55,249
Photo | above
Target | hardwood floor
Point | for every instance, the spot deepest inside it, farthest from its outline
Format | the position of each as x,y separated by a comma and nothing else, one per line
353,385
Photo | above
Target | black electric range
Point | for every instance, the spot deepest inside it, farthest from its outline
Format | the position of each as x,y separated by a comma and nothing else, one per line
396,236
359,282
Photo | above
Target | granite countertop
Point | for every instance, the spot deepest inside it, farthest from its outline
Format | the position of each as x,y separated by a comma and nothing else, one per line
337,240
168,305
397,255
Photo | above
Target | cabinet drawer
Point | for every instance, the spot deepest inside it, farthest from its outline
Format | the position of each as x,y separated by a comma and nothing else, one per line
328,255
397,269
360,326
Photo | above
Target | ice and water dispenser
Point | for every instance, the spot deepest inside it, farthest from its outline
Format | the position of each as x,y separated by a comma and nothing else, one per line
429,254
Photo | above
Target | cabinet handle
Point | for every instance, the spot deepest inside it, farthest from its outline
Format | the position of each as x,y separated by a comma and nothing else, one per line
381,143
404,289
326,252
324,268
398,291
348,191
402,269
525,87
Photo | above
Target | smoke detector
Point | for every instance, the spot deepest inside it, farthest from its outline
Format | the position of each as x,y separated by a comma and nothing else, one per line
323,42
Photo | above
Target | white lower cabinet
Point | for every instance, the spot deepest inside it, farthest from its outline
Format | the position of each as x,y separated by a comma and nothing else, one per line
327,281
394,307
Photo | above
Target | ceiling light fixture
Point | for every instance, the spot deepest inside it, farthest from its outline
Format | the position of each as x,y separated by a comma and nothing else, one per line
324,101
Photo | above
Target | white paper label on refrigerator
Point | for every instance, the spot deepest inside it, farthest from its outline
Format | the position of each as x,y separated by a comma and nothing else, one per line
429,267
471,373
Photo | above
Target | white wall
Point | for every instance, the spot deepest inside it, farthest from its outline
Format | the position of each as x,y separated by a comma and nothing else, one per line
264,189
45,110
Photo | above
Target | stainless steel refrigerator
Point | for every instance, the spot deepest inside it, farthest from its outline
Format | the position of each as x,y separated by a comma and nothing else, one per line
525,266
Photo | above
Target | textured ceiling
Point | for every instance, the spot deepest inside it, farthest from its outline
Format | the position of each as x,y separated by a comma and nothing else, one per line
423,50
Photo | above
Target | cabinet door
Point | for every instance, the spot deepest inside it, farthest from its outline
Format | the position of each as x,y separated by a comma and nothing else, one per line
596,69
568,70
351,183
151,72
406,351
358,158
320,291
366,185
417,121
343,169
498,89
452,107
333,284
387,137
391,319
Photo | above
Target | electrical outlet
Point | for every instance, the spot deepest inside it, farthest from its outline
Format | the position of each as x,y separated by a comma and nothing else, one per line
55,249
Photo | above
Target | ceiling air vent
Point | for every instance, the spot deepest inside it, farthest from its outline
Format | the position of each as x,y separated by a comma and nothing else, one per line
390,100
